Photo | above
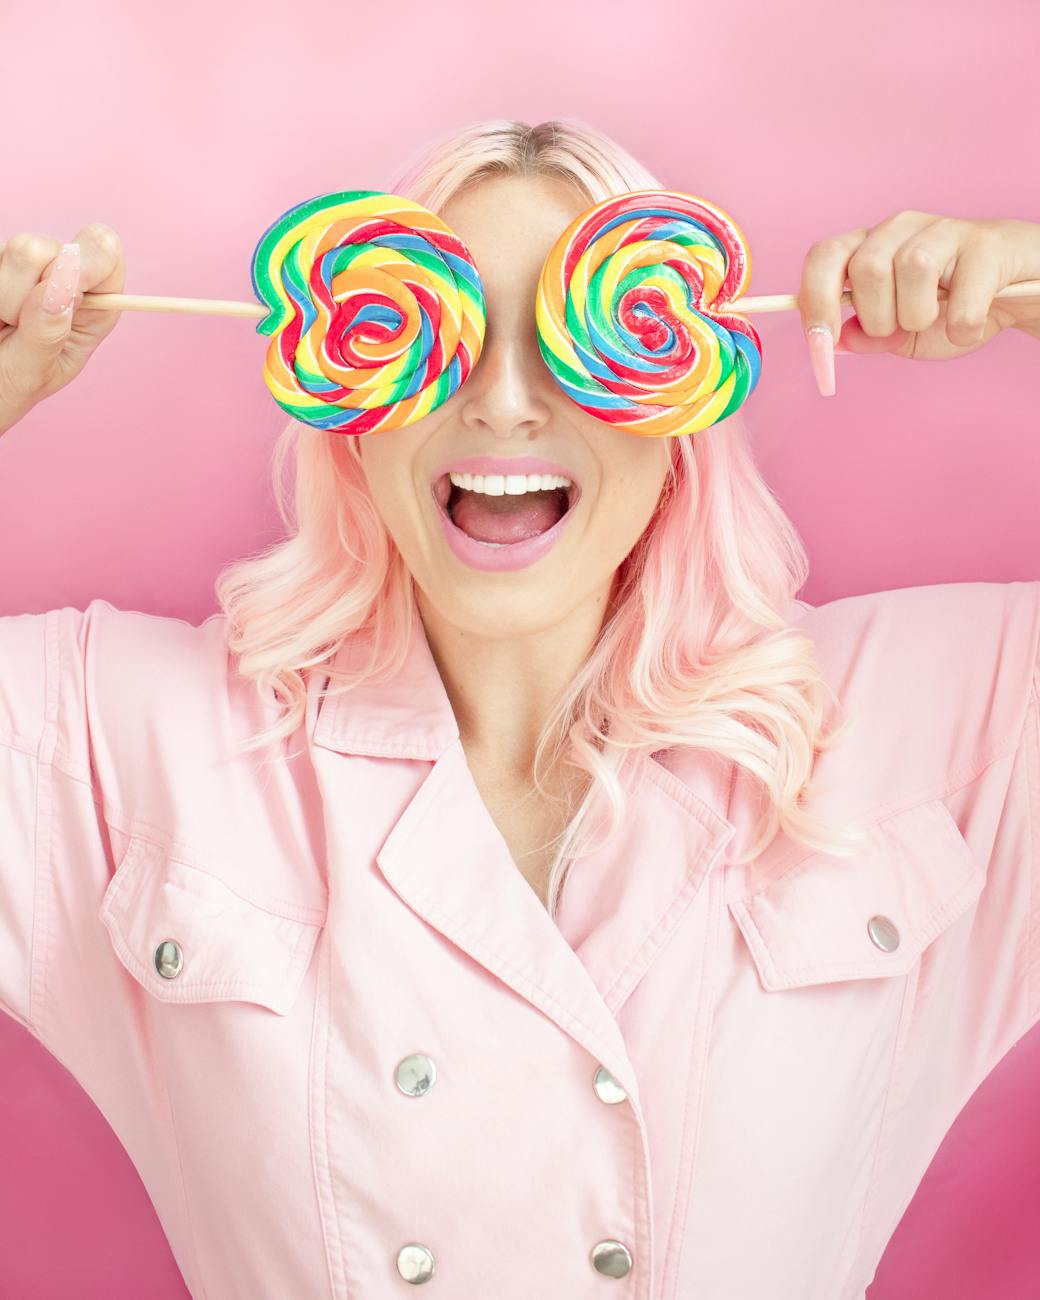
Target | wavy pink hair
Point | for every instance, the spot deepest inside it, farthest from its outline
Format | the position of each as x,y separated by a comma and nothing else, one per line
696,649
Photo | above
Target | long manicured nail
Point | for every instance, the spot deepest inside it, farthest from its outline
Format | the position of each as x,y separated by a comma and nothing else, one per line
821,353
60,289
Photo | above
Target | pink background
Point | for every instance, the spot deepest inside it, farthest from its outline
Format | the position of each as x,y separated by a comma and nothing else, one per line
190,129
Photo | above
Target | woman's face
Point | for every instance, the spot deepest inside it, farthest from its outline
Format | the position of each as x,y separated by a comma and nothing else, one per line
508,410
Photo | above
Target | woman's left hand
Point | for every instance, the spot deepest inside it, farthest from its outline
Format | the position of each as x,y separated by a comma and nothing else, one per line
895,269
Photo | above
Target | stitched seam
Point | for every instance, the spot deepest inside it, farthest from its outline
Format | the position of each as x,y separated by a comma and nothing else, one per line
902,1036
604,1051
296,913
270,992
660,933
1032,755
931,927
640,1221
318,1093
808,858
181,1181
415,809
703,1023
958,779
664,927
682,796
43,885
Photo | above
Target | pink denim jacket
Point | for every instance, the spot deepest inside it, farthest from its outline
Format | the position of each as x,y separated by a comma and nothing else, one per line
348,1051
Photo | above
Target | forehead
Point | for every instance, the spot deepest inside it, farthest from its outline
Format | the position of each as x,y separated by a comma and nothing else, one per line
509,223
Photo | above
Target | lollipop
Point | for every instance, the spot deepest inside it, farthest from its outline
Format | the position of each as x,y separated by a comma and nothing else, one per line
377,311
632,314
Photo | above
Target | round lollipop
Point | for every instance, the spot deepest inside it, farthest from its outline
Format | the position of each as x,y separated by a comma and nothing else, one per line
632,313
379,314
377,311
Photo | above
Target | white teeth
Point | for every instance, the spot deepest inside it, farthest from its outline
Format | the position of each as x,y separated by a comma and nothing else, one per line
514,484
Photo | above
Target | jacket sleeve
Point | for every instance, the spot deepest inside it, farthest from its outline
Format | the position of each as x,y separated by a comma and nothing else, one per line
46,778
1006,947
28,707
999,811
978,989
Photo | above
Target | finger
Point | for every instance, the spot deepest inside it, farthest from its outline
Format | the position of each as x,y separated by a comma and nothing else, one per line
923,263
977,278
27,259
31,352
823,280
22,262
871,272
855,339
103,270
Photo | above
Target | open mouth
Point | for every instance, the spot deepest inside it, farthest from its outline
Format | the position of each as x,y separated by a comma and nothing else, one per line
506,518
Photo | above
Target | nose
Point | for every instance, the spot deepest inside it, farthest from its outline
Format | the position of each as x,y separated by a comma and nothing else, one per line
505,395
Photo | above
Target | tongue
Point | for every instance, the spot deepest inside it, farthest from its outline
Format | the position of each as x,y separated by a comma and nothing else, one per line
506,518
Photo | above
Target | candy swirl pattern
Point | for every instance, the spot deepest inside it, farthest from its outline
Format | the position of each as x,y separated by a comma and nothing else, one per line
631,313
377,311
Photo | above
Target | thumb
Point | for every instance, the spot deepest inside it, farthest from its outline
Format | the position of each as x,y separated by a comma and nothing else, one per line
45,321
854,339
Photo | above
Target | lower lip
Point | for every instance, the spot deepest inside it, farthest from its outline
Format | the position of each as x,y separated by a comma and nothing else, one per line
496,559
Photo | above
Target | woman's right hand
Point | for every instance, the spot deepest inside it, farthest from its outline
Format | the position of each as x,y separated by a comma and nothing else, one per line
41,351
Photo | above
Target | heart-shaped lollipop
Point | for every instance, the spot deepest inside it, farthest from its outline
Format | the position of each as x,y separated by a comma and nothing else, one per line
379,314
377,311
632,313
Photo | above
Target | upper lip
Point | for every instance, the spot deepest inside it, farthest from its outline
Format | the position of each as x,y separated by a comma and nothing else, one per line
507,465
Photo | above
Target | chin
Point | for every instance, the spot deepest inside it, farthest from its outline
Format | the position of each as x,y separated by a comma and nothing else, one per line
504,616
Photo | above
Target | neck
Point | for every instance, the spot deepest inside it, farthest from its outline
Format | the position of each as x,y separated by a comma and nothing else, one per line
503,687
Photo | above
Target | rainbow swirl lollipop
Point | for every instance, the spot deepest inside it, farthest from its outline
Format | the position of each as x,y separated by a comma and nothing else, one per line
631,313
377,311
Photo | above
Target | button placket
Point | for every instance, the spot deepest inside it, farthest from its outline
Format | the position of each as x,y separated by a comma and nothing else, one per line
415,1076
609,1257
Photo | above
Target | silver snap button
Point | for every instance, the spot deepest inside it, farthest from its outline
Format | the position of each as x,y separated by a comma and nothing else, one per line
607,1087
416,1075
415,1263
883,933
611,1258
169,959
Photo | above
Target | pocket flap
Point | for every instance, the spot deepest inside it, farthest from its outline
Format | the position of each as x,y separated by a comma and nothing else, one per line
827,918
186,936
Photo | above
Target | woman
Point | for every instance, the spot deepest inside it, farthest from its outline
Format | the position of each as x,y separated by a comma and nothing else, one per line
334,997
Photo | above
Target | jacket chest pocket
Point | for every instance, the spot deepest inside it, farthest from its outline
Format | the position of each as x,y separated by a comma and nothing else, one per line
186,936
827,919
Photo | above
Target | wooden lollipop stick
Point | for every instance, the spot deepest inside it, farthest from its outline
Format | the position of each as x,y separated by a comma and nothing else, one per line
195,306
257,311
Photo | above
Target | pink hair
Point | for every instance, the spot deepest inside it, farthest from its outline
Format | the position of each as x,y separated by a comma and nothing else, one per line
696,650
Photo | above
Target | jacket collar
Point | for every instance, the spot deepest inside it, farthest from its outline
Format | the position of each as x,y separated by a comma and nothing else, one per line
614,920
408,716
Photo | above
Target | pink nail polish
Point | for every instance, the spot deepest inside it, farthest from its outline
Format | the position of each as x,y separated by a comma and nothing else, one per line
61,284
821,353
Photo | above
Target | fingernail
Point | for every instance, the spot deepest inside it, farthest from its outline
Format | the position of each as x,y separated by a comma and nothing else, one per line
821,353
61,284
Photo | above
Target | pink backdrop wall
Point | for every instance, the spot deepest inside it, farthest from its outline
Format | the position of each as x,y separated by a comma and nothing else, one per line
190,128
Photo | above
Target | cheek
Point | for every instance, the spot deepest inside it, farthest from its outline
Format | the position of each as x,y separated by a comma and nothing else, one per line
623,512
393,498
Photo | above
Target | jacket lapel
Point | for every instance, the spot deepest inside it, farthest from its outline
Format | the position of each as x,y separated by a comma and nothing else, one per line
447,861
